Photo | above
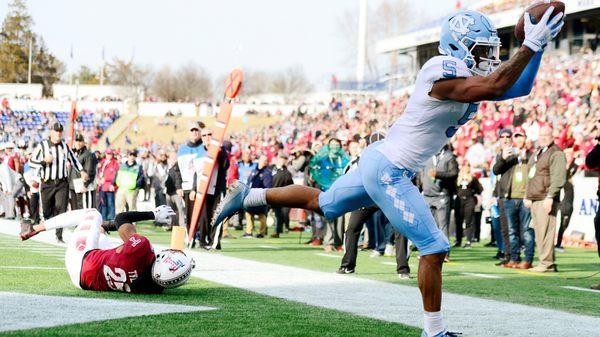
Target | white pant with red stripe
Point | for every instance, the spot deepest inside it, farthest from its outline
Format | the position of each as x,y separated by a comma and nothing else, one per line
86,236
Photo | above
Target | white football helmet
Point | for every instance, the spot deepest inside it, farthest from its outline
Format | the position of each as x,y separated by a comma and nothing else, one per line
172,268
472,37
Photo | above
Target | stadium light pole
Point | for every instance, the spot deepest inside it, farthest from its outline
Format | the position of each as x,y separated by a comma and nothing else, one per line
30,59
362,41
102,68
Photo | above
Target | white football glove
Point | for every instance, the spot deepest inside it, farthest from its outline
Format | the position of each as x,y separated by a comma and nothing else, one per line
163,214
537,36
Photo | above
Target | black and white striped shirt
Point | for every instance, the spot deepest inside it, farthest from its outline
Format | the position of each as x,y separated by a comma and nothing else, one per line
60,154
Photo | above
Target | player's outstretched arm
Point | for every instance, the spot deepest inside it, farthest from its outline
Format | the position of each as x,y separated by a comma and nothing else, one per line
497,85
480,88
524,83
124,222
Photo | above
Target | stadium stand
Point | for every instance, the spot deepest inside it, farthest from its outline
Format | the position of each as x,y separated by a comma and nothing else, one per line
26,124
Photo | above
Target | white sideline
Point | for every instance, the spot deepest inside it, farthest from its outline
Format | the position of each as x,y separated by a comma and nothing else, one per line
582,289
328,255
33,267
269,247
472,316
482,275
28,311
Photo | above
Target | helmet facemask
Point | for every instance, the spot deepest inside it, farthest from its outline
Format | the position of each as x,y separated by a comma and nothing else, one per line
483,56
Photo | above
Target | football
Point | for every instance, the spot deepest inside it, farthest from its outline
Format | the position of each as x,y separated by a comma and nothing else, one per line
536,11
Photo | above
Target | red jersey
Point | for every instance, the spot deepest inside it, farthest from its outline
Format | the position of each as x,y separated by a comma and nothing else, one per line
129,270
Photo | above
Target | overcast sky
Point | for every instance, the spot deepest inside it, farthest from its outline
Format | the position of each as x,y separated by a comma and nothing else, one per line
219,35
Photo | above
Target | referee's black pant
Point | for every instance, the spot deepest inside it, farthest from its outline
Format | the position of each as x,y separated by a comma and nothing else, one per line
210,235
55,198
355,225
82,200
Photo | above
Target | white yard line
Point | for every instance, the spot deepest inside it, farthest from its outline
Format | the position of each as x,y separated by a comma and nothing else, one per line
582,289
32,249
27,311
328,255
389,263
269,247
32,267
482,275
381,300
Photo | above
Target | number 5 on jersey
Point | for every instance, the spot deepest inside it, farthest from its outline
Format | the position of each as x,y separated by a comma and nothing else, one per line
467,116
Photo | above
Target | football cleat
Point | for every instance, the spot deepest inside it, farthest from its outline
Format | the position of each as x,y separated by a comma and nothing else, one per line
234,203
27,230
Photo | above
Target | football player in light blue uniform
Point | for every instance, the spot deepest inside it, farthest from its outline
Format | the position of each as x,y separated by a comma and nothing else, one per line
447,92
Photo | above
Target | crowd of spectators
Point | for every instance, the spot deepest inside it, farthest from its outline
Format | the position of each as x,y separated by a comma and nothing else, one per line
31,126
498,6
314,149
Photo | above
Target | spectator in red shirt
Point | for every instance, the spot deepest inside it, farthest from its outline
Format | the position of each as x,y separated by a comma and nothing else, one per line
107,173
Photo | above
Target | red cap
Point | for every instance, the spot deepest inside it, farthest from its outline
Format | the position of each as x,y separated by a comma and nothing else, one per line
109,151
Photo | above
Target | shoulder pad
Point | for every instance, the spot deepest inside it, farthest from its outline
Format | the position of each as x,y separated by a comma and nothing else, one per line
443,67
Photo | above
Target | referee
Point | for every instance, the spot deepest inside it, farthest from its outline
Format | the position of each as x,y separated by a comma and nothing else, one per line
50,158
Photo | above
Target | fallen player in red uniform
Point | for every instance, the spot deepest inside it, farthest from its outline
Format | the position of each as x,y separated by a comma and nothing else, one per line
93,263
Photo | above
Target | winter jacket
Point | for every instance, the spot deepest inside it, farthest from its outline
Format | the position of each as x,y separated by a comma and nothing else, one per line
189,156
130,177
107,174
550,174
446,172
261,178
282,177
89,162
173,182
505,169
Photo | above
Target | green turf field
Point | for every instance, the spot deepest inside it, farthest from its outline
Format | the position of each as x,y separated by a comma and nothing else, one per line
243,313
515,286
240,313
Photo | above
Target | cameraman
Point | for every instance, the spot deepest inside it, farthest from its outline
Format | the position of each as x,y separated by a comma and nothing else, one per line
511,165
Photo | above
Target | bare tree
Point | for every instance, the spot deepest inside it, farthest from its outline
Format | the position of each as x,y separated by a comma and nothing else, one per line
256,82
128,73
291,82
193,83
163,84
189,83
